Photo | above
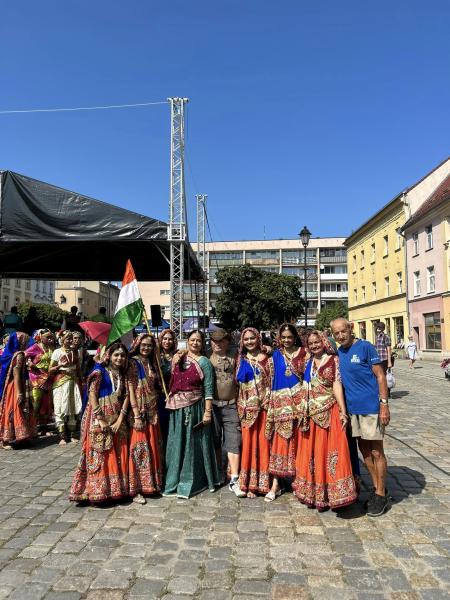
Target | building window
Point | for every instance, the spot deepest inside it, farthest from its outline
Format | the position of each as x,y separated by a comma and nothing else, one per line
355,295
38,286
354,263
28,284
50,285
429,237
374,290
330,252
433,330
362,330
373,252
400,282
363,293
385,245
18,283
341,269
386,287
362,259
6,281
164,292
417,290
430,280
398,240
333,287
224,259
415,237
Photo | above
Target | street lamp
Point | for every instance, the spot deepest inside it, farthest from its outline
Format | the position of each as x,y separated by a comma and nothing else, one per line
305,236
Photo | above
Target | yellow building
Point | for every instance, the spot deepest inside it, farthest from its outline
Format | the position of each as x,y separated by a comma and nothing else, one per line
376,262
376,274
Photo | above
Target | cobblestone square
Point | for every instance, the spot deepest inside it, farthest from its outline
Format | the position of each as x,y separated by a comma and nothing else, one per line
217,547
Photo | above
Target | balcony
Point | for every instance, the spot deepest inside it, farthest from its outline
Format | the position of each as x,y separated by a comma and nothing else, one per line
290,261
329,295
262,261
330,260
333,276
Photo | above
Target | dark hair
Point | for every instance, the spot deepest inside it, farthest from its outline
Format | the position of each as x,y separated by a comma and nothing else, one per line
14,309
102,310
289,327
74,309
200,333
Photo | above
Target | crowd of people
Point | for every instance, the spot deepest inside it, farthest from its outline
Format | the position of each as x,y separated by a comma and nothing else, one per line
159,420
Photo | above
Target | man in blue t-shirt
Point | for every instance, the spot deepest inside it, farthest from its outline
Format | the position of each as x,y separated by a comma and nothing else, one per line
366,394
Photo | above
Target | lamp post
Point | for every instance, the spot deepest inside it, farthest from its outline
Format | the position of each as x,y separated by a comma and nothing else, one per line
305,236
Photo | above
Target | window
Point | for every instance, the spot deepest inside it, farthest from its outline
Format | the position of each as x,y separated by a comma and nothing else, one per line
433,330
385,245
398,239
223,259
416,276
355,296
50,285
333,252
362,259
429,237
363,293
373,252
296,257
430,280
400,282
386,287
333,287
38,286
354,263
28,284
6,281
18,283
415,237
164,292
341,269
374,290
272,255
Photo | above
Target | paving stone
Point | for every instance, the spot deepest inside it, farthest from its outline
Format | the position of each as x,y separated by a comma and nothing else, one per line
183,585
111,580
147,588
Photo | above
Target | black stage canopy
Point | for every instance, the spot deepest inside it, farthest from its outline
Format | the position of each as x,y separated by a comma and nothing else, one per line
47,232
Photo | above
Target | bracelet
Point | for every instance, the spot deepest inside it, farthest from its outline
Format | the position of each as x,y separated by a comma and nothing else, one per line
124,412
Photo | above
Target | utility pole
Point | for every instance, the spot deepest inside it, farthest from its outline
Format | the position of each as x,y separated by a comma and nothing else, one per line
201,256
176,233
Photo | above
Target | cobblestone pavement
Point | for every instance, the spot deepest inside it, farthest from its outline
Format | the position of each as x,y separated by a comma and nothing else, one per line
216,547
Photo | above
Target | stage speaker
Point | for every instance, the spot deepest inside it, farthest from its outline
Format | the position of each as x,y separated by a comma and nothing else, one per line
155,314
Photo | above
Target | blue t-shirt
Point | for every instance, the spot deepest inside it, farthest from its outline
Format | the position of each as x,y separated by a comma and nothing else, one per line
360,384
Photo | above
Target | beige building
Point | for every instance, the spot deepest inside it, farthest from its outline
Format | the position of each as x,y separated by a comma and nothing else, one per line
377,265
16,291
326,271
87,296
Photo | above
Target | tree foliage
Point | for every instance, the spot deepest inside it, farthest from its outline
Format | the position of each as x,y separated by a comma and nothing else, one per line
50,315
336,310
255,298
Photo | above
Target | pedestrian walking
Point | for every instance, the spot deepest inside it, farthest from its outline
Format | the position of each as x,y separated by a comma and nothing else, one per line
366,396
411,351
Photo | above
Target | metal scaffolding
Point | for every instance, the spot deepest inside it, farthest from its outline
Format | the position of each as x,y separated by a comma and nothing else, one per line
177,214
201,256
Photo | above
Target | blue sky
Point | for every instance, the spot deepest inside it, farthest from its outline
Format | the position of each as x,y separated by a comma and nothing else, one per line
312,113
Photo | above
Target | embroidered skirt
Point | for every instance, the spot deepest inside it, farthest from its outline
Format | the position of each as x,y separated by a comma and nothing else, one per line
15,424
254,475
324,475
144,463
283,455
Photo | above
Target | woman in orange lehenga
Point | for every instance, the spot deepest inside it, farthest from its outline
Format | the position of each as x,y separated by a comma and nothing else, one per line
102,471
324,477
282,426
254,376
17,422
145,469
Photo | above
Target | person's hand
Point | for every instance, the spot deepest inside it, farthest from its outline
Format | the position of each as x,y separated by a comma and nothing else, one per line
103,424
116,425
29,364
343,418
385,415
178,356
138,424
207,416
20,398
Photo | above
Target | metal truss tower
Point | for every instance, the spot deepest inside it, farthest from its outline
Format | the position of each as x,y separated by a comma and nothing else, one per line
201,256
177,214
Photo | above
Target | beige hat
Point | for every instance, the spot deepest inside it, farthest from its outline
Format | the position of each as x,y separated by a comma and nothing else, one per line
220,334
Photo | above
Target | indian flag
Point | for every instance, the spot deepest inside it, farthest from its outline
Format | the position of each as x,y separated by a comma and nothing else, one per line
129,307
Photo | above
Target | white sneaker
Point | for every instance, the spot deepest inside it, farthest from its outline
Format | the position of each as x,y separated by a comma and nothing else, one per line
235,488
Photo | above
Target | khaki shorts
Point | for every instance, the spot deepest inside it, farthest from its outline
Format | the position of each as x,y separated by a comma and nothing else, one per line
367,427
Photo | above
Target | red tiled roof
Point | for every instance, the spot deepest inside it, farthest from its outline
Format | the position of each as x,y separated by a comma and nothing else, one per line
440,195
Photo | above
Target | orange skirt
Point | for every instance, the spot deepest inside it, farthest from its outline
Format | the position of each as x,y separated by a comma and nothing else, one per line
324,477
144,462
15,424
283,455
254,475
101,476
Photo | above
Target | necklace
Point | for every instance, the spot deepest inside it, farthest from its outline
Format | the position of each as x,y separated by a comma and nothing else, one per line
115,386
288,362
314,368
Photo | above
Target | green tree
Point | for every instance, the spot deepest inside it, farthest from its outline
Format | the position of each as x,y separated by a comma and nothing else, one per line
334,311
50,315
255,298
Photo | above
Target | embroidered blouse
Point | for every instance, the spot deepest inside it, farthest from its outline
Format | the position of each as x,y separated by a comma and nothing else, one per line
317,397
255,383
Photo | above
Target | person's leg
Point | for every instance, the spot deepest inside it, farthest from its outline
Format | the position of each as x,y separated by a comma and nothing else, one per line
380,464
365,447
232,445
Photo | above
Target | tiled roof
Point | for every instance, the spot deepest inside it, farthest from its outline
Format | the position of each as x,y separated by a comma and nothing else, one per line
440,195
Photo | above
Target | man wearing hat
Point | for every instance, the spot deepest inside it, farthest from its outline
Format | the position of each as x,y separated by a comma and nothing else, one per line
226,419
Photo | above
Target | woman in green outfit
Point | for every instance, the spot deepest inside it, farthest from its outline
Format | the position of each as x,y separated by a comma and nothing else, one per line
190,457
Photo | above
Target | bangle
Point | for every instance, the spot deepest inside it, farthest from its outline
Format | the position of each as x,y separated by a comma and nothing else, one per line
124,412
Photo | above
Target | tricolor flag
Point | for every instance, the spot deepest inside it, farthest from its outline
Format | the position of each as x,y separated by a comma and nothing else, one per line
129,307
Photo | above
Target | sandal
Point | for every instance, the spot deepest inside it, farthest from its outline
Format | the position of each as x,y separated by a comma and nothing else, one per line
139,499
251,495
271,496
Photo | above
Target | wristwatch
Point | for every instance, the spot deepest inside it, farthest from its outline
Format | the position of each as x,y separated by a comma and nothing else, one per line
384,401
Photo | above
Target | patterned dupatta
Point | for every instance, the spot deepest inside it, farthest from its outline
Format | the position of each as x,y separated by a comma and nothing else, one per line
318,398
186,384
143,381
69,361
255,382
41,359
287,393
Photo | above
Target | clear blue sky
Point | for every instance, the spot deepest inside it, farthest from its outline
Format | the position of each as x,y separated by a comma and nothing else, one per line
312,113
